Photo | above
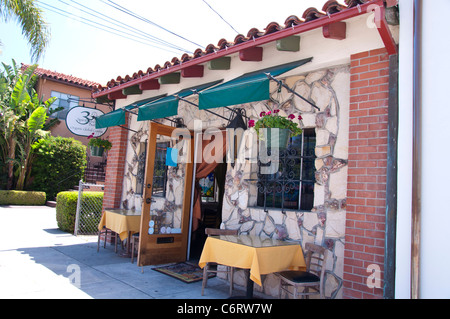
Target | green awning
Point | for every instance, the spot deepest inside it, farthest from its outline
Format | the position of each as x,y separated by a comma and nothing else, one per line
250,87
114,118
168,106
117,117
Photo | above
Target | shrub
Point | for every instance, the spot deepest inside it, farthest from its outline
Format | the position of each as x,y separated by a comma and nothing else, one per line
22,198
66,210
59,164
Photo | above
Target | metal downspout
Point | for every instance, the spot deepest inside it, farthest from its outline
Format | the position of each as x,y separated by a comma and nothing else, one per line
391,181
417,150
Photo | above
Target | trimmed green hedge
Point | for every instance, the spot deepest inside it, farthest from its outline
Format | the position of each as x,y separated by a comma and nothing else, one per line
22,198
66,210
58,164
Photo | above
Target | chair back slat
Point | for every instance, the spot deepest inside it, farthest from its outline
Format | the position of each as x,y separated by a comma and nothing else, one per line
315,259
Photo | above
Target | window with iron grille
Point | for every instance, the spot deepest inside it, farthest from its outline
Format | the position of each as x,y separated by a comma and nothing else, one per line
292,186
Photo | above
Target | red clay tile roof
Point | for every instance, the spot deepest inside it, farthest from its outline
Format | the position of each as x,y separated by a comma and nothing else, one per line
329,8
63,77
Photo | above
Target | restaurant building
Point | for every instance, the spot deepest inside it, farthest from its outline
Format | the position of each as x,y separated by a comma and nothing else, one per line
337,69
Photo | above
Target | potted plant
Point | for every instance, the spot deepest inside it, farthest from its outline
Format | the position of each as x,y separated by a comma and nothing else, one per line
98,145
272,120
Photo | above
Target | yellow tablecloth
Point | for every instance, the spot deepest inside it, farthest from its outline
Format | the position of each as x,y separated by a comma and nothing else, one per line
260,261
120,223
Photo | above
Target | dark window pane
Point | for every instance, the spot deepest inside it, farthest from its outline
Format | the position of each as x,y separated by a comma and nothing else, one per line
292,187
160,170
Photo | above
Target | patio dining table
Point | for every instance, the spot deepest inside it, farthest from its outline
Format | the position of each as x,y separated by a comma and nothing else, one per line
124,222
259,256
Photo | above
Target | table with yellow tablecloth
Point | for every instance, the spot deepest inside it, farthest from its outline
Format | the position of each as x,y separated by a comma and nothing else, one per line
122,221
261,256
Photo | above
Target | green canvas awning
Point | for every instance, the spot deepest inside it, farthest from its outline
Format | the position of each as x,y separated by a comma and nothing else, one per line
168,106
114,118
250,87
117,117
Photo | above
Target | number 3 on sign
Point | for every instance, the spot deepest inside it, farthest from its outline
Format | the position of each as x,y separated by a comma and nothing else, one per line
374,280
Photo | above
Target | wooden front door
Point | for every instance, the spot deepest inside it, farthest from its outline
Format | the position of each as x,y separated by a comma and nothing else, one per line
167,196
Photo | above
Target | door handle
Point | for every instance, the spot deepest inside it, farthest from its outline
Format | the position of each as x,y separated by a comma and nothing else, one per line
149,200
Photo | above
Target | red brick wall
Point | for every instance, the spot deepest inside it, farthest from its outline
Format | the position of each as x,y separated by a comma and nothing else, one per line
366,195
115,167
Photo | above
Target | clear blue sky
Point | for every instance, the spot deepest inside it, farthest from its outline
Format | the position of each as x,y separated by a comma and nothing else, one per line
86,52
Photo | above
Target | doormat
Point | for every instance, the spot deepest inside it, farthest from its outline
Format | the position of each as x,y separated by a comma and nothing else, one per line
185,271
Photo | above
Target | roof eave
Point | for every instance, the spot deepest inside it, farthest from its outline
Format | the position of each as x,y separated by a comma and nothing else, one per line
304,27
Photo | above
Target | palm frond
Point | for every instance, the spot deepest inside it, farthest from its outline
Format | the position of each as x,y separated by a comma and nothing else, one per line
31,20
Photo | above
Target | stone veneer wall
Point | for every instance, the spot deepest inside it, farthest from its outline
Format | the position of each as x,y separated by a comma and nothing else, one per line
325,224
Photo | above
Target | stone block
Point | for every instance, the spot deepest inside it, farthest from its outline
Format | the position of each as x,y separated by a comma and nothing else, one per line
335,225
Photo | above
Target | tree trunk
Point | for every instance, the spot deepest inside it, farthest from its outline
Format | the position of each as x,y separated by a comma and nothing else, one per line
24,169
10,164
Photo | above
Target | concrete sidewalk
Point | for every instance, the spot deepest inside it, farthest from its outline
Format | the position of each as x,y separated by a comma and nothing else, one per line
37,260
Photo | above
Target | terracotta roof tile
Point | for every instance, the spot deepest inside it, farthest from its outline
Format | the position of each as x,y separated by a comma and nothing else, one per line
62,77
272,27
332,6
223,44
254,33
240,38
329,8
292,21
312,14
211,48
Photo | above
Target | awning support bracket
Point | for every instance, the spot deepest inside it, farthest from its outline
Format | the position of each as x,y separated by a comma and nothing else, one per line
290,90
180,98
229,109
128,129
170,120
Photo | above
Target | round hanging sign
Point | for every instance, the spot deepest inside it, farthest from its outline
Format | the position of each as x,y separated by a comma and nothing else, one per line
80,121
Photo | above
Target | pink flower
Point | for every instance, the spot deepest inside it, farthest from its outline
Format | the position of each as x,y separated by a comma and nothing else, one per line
300,118
251,123
262,114
268,113
276,111
90,136
291,116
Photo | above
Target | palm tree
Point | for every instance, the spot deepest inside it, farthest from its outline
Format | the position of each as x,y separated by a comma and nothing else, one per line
30,17
23,116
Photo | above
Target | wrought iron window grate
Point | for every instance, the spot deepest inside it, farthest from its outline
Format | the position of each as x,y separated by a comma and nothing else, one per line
292,186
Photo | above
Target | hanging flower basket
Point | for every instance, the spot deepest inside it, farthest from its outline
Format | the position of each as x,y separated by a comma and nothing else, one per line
98,145
272,120
271,134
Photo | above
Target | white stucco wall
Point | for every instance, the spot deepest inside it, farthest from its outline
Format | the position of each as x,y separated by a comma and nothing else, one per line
434,252
434,279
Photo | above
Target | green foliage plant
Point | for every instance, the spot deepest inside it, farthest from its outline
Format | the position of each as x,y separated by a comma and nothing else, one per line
30,17
66,209
99,142
58,165
22,198
274,120
24,116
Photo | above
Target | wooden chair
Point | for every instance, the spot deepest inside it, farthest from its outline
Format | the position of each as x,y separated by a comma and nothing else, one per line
312,278
134,245
207,269
105,231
